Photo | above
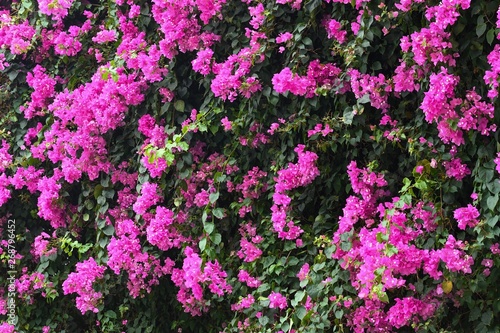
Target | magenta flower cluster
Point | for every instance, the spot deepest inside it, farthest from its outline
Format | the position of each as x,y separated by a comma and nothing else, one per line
193,277
385,251
295,175
168,207
81,282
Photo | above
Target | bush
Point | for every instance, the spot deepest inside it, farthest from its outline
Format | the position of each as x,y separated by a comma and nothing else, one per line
249,166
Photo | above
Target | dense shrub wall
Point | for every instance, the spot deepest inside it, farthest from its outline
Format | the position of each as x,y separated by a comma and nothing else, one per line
249,166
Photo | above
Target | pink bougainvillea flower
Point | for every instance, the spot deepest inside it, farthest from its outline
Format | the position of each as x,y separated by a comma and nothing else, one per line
58,9
466,216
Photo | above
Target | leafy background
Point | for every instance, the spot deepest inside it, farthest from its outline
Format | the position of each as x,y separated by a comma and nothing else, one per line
473,302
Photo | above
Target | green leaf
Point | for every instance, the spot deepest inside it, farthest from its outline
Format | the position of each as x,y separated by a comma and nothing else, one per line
103,242
299,296
105,181
490,36
105,75
376,66
382,237
486,175
475,313
492,222
208,227
494,186
214,129
179,105
101,200
364,99
307,41
487,317
41,268
318,267
492,202
263,287
263,320
301,312
89,204
218,213
348,116
98,190
216,238
480,29
108,230
480,20
345,246
219,177
382,296
110,314
390,250
311,5
202,127
421,185
213,197
202,244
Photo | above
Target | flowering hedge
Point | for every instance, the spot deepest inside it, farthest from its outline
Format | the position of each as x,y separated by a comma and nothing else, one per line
249,166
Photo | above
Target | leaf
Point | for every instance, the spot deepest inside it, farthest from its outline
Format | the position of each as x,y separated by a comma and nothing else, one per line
494,186
202,127
486,175
216,238
105,75
382,296
480,29
208,227
213,197
492,201
103,242
345,246
263,320
365,99
487,317
41,268
101,200
311,5
376,66
110,314
348,116
98,190
301,312
490,36
218,213
89,204
263,287
108,230
318,267
299,296
421,185
492,222
179,105
475,313
447,286
307,41
219,177
381,237
202,244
